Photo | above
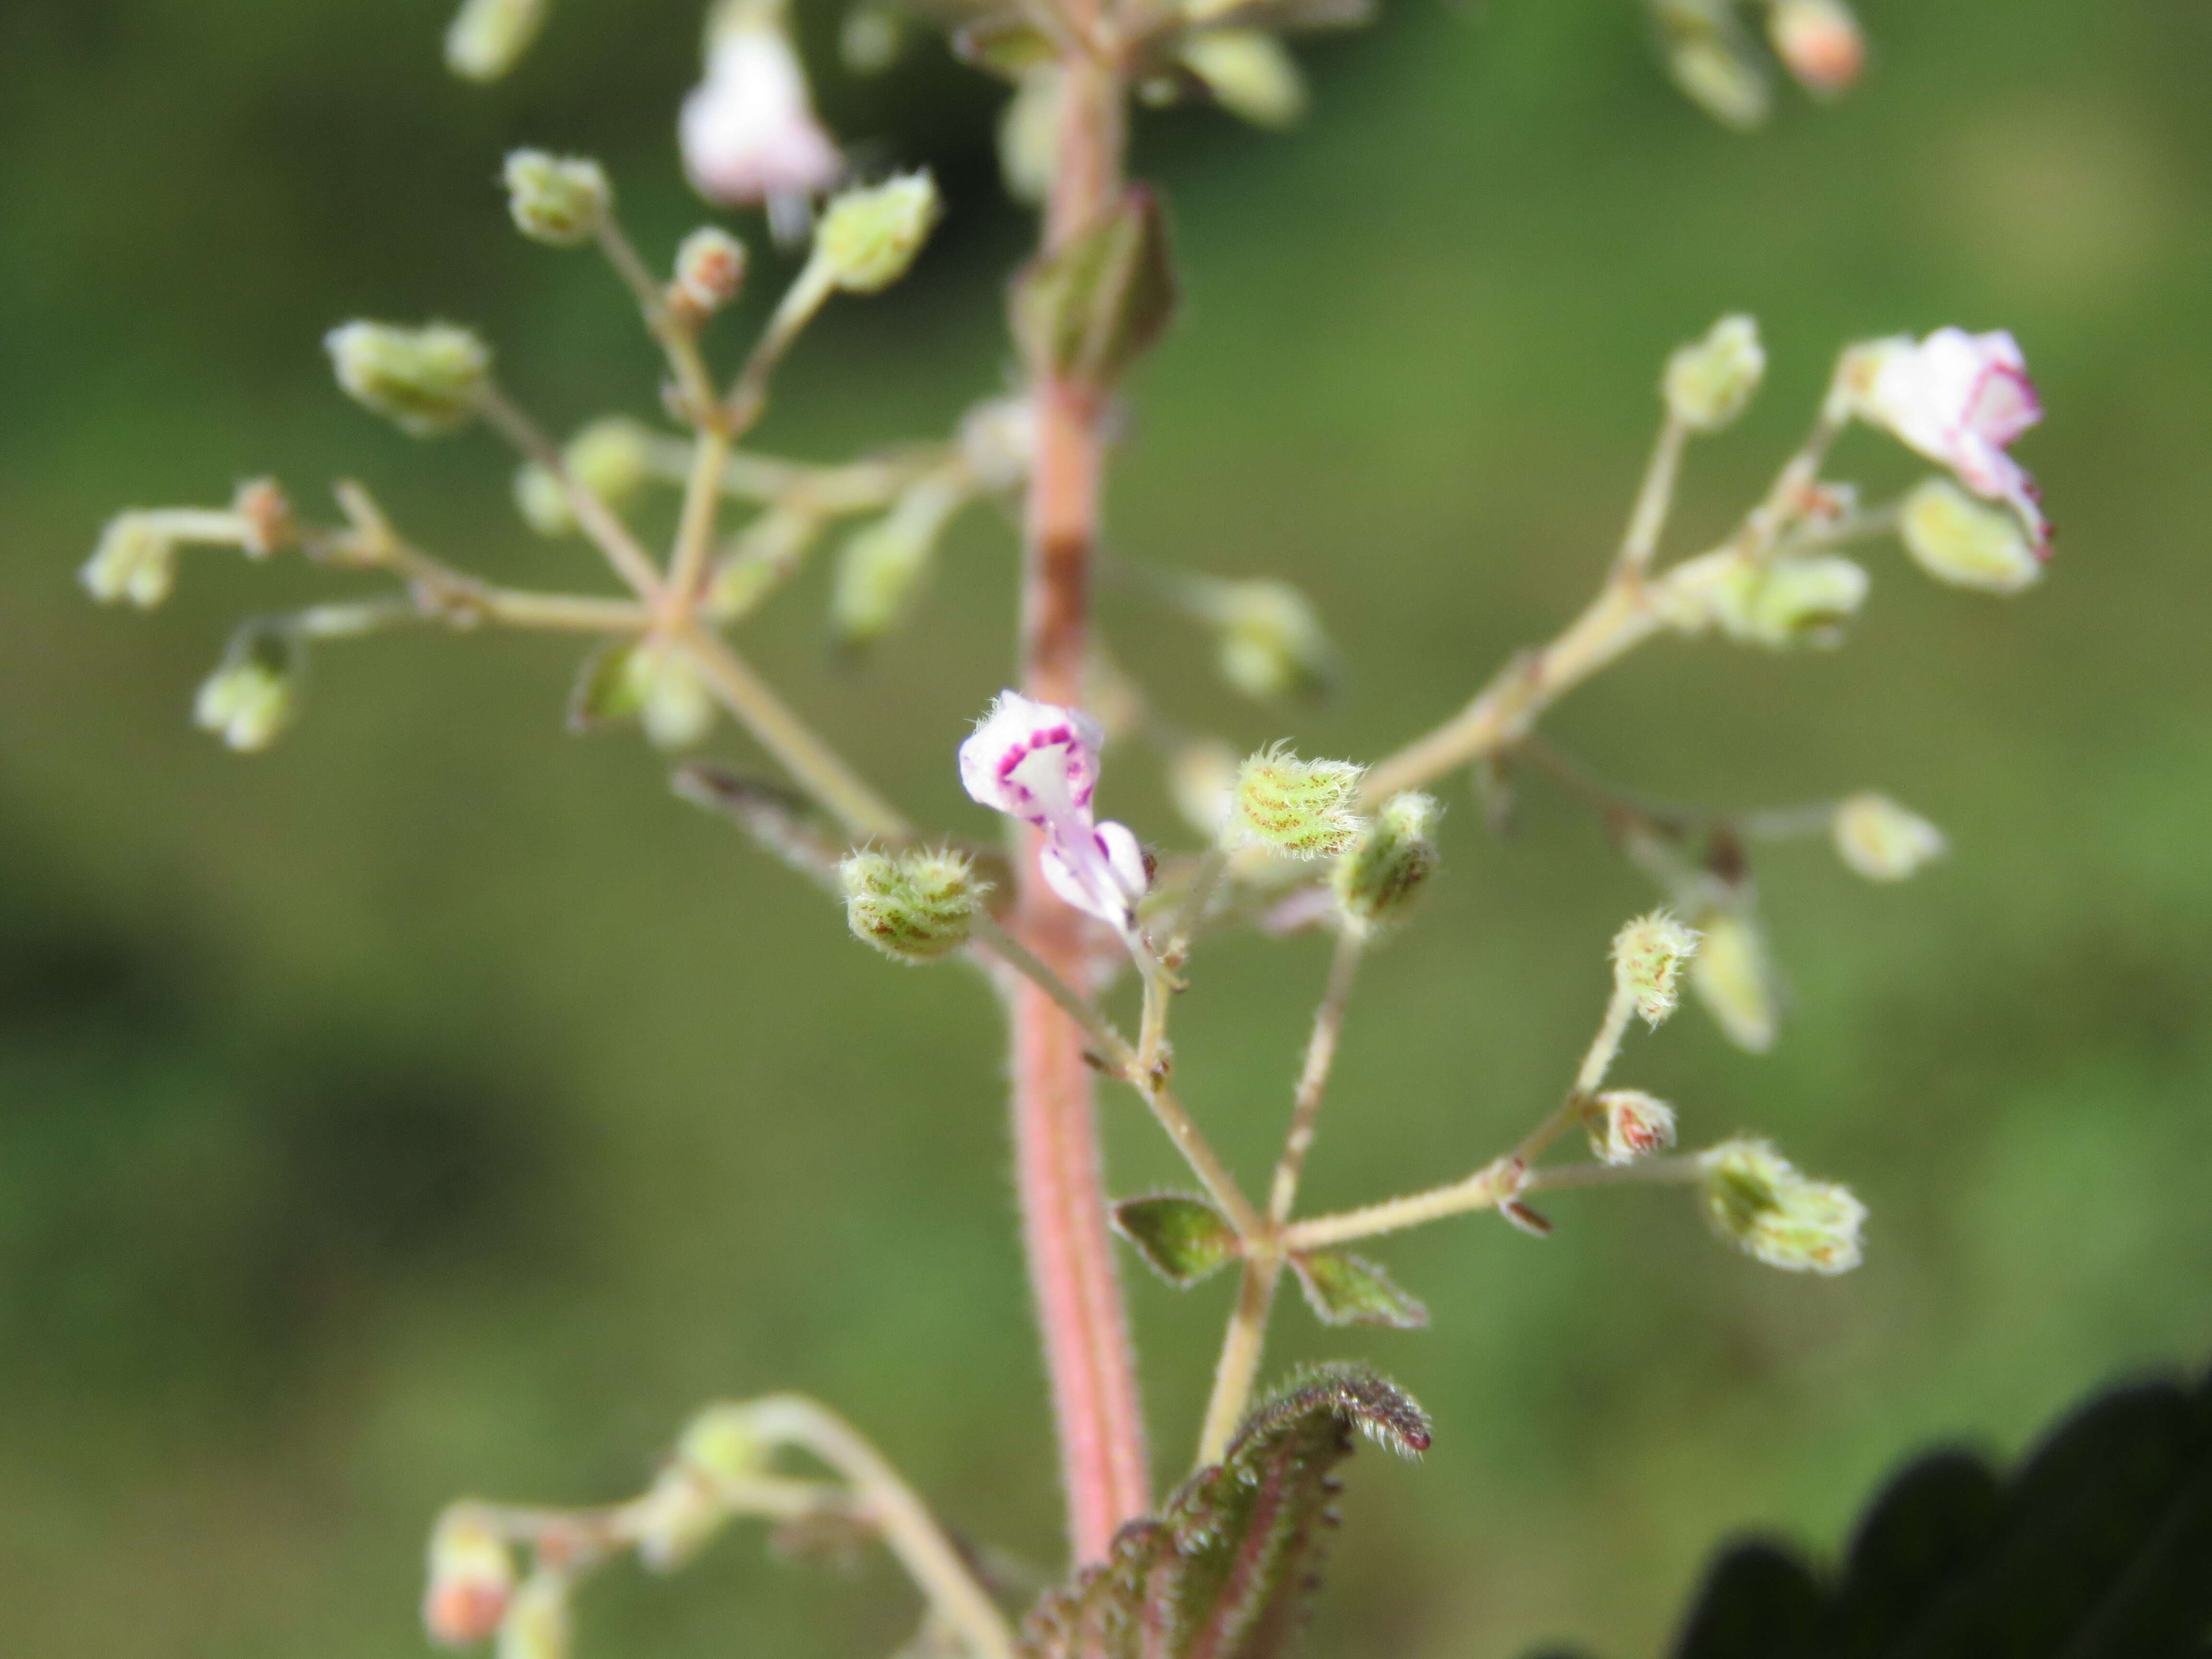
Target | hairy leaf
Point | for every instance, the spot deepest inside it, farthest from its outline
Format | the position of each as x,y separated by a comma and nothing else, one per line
1223,1572
1182,1239
1344,1289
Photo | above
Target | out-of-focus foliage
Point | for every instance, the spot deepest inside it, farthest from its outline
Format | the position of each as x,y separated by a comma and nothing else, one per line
431,1104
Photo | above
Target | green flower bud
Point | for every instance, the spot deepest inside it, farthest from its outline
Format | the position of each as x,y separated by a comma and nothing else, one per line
427,380
673,702
1308,809
1029,135
1648,956
871,38
1956,539
869,237
914,907
1710,60
537,1624
560,201
488,37
1378,879
1883,842
136,560
1202,783
883,566
679,1517
1710,381
611,458
1250,72
1271,643
254,695
1756,1199
710,271
1734,979
1788,601
722,1444
541,502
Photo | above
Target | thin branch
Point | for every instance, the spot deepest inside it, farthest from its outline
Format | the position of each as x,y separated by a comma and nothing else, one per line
624,551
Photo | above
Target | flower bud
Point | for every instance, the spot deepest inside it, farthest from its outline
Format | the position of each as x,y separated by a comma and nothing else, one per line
1788,601
538,1624
254,695
872,37
710,271
1756,1198
1394,855
1819,42
134,561
674,704
488,37
997,442
471,1579
1647,958
1735,981
869,236
882,567
427,380
1883,842
541,502
680,1515
1307,809
1271,643
916,907
1250,72
1629,1125
1028,134
722,1445
1710,381
1711,61
1955,539
612,458
561,201
1202,784
265,521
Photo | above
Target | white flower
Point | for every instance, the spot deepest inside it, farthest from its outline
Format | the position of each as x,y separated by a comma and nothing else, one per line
1962,399
749,130
1038,763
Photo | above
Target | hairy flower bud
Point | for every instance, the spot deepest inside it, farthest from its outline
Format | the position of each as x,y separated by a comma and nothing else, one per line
1272,644
427,380
254,695
1710,381
488,38
1649,955
1789,601
561,201
869,237
1378,879
1756,1198
1883,842
134,561
674,704
914,907
710,271
537,1624
1734,979
1251,73
1307,809
1629,1124
1957,540
471,1578
1819,42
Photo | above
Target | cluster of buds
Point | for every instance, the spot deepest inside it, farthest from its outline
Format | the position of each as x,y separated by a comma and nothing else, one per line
427,381
136,561
561,201
1756,1199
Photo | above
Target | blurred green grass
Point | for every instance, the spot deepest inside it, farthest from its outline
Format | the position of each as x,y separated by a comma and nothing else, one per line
433,1105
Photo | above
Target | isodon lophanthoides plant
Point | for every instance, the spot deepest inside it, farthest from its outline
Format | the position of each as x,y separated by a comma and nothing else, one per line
1085,934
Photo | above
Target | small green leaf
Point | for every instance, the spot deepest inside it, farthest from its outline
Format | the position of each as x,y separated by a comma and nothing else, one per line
1182,1239
1089,311
1343,1288
606,690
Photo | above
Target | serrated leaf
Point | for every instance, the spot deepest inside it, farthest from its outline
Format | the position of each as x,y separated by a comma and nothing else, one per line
1343,1288
605,689
1088,310
1184,1240
1223,1572
2095,1548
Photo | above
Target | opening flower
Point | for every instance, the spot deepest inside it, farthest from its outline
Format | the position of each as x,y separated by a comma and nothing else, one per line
1962,399
1039,763
749,131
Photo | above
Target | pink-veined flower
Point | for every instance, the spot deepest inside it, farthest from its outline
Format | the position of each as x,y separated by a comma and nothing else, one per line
1962,399
749,131
1039,763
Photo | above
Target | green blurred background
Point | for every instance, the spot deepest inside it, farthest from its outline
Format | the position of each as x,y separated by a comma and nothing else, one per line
435,1105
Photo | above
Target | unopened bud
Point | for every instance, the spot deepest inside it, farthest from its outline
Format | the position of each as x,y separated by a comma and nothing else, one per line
1648,956
134,561
1882,841
1307,809
265,520
1956,539
680,1515
1271,643
722,1444
471,1579
869,237
674,704
1756,1198
710,271
1251,73
871,38
612,458
1789,601
1629,1125
541,502
882,566
1396,854
1028,134
1202,783
1819,42
254,695
1710,381
488,37
537,1624
1735,981
1714,68
914,907
426,380
998,441
561,201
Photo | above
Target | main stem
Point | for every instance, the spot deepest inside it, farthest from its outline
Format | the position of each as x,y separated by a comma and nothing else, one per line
1063,1199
